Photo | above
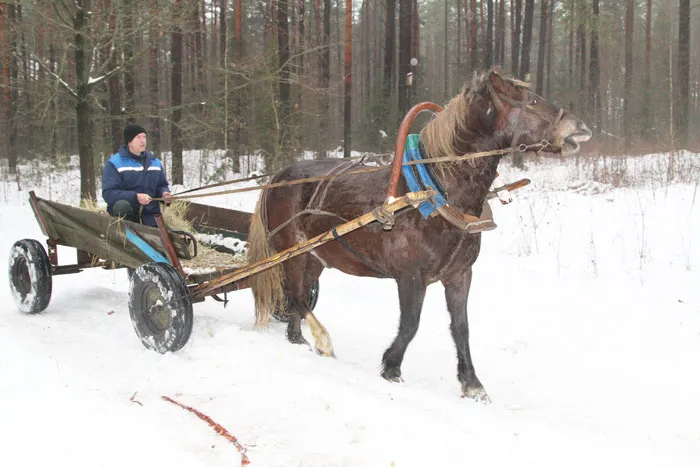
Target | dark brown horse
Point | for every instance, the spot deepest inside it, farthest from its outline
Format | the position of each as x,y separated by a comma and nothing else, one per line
491,113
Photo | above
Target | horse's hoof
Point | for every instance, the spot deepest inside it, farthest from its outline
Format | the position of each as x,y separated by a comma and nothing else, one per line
393,375
325,353
477,394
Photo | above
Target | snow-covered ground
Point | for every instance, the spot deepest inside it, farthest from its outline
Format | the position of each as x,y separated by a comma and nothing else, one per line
585,330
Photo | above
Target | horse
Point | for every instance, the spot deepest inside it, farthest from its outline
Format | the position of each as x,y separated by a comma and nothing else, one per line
495,111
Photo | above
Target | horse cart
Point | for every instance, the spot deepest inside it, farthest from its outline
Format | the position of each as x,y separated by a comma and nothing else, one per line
162,289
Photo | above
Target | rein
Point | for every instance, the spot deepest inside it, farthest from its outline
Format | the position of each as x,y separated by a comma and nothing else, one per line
521,148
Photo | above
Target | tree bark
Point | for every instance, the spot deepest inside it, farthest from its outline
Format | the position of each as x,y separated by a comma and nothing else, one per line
284,86
84,122
516,36
683,70
405,20
488,46
113,90
129,64
347,120
389,46
527,39
539,88
5,94
594,69
176,98
629,55
474,50
155,136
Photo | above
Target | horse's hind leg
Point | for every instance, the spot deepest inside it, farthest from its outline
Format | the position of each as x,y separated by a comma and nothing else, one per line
411,295
456,294
300,275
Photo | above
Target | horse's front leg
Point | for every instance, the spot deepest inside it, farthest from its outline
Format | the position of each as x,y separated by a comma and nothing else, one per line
411,295
456,294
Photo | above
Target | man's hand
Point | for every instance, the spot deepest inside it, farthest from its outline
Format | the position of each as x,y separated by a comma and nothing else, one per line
143,198
167,197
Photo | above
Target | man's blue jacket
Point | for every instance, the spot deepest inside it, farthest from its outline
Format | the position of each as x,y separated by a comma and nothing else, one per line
126,174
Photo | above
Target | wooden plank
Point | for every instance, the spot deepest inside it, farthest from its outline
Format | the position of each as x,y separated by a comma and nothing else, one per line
78,235
202,215
101,227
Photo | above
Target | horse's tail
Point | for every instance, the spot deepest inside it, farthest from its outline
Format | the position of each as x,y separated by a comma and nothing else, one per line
267,286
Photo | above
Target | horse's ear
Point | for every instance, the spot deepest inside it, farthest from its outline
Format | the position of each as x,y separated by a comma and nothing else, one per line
496,87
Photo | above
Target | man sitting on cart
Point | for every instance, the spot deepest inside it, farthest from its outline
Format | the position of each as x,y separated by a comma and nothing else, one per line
132,178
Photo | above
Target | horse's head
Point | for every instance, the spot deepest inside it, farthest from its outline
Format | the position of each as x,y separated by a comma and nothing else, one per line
521,117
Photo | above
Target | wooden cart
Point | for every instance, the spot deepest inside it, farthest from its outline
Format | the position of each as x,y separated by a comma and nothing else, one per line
161,292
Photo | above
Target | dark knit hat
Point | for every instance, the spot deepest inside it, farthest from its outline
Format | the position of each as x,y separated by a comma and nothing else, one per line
131,131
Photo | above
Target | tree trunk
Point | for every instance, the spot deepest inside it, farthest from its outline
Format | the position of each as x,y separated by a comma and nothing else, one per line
284,86
516,36
129,63
488,46
347,121
646,110
84,121
446,54
683,70
325,77
5,95
539,88
594,69
389,46
527,39
405,20
155,136
474,52
176,98
629,54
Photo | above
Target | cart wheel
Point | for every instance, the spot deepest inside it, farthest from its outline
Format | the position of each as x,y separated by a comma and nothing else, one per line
160,307
30,276
312,299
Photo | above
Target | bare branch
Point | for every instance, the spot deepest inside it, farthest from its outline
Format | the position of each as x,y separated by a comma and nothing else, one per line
67,86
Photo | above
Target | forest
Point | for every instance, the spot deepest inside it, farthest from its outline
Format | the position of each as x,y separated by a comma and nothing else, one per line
279,77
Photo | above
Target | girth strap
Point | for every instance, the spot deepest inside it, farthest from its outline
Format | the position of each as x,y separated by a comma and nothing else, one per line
347,246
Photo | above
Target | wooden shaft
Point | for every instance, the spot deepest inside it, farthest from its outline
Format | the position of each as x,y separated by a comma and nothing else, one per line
410,199
168,243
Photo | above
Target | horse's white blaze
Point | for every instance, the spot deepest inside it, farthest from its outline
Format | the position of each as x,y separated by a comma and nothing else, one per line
324,344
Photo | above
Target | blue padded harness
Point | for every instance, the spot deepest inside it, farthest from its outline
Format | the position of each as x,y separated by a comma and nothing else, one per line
424,180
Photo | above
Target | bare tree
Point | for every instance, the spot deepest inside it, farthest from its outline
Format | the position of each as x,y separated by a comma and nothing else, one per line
527,39
405,20
541,49
629,55
176,97
594,69
683,70
347,120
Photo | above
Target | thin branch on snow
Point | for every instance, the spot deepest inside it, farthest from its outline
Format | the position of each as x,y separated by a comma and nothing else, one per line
218,428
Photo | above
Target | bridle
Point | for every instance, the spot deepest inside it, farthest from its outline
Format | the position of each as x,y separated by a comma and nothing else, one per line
524,106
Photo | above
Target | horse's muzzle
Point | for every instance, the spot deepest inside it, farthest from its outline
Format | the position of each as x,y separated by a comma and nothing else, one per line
572,142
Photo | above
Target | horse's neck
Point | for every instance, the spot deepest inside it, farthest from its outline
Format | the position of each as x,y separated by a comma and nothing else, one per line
468,185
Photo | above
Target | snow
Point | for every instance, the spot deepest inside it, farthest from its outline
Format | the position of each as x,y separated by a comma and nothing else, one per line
585,330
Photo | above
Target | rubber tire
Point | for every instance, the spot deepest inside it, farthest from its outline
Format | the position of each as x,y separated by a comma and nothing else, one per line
166,327
29,272
312,299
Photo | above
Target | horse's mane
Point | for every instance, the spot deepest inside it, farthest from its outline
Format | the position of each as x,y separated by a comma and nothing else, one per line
450,127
